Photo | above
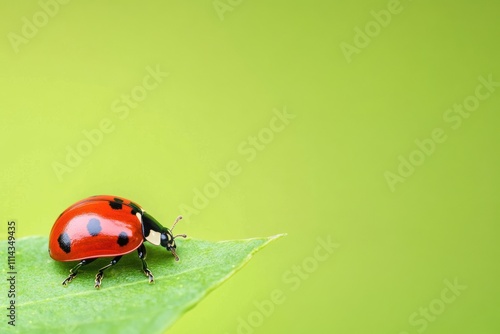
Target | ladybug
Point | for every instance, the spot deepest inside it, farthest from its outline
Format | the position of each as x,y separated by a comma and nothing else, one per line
105,226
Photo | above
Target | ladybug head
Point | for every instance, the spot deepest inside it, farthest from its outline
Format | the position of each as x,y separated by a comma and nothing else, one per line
159,235
167,239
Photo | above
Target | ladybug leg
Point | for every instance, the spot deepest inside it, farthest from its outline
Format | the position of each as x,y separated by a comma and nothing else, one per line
100,273
73,271
142,255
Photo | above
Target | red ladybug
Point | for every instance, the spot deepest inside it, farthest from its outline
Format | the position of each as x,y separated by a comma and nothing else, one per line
102,226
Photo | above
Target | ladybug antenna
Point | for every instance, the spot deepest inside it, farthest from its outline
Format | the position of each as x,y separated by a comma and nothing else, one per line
175,223
171,245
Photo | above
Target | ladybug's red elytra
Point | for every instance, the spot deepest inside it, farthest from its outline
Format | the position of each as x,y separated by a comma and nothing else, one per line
105,226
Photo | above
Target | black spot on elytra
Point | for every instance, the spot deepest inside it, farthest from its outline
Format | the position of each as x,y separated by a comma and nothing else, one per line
122,239
119,200
94,227
64,242
115,205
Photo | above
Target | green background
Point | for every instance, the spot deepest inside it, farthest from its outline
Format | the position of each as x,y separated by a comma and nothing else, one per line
321,176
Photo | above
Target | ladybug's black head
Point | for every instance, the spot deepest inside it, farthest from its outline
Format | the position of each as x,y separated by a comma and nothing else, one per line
168,239
159,235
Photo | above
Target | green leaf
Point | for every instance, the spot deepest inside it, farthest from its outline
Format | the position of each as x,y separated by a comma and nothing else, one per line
126,302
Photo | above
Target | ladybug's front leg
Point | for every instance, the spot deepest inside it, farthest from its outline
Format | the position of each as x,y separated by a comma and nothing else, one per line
98,277
73,271
142,255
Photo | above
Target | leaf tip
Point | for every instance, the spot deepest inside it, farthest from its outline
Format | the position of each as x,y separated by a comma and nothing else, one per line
277,236
274,237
